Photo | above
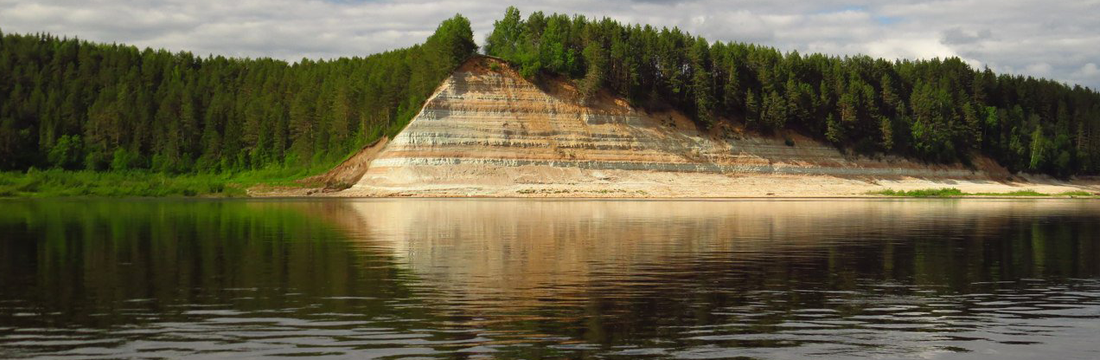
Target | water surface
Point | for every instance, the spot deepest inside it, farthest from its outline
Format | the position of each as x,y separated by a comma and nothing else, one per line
951,279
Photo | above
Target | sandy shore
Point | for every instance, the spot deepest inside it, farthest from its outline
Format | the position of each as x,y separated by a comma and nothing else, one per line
634,184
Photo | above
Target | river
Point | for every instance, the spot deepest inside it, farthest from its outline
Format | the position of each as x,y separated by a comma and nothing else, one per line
482,278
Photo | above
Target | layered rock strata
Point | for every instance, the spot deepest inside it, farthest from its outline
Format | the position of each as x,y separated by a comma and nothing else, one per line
489,132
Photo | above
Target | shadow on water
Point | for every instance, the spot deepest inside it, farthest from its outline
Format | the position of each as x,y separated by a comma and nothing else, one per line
528,278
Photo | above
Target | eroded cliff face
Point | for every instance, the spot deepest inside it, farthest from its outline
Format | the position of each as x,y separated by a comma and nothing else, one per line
489,132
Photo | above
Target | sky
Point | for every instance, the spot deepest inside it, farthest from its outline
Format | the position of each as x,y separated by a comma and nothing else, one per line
1055,39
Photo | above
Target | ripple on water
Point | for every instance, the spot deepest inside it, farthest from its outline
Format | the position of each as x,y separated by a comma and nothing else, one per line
560,279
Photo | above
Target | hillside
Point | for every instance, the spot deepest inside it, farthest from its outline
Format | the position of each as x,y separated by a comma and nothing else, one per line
934,110
488,131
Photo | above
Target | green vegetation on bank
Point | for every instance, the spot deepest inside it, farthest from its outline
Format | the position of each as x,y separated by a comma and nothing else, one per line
950,192
144,183
86,107
938,110
56,182
942,192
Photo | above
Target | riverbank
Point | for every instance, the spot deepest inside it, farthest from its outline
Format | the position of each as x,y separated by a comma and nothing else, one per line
62,183
633,184
609,184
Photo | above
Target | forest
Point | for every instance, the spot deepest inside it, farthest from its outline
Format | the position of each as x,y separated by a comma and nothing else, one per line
937,111
67,104
75,105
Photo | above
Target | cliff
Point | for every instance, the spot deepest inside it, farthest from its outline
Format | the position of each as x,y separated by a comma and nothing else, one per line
487,131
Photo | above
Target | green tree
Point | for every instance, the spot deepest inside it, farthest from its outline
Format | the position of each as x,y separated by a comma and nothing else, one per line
774,114
702,89
593,81
1040,150
68,152
508,34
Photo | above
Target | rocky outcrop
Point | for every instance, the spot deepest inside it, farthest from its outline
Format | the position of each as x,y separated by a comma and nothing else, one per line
489,132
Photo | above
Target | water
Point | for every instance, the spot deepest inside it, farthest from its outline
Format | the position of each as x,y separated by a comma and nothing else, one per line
951,279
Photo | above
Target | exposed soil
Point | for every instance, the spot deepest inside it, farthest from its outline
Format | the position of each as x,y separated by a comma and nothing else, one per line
351,170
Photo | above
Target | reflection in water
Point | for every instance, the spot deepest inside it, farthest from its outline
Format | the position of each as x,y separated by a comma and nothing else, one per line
527,278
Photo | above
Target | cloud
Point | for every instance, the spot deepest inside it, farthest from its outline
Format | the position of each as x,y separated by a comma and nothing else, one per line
1039,69
1031,37
1089,73
958,36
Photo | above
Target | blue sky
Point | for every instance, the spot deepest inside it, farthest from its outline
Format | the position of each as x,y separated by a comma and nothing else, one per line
1052,39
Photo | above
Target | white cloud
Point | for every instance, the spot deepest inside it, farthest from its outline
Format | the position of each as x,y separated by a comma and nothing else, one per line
1089,73
909,48
1033,37
1039,69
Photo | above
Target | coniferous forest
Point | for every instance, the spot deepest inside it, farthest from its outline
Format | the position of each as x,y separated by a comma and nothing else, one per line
74,105
71,104
939,110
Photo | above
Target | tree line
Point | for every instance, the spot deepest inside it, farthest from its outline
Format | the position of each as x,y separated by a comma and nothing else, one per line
71,104
938,110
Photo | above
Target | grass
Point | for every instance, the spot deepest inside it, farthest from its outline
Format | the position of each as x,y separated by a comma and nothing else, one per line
953,192
1078,193
943,192
62,183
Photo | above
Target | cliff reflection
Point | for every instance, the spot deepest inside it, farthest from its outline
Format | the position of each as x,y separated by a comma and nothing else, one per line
490,245
608,269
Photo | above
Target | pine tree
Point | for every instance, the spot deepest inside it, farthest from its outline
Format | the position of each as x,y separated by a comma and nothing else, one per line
702,89
774,113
